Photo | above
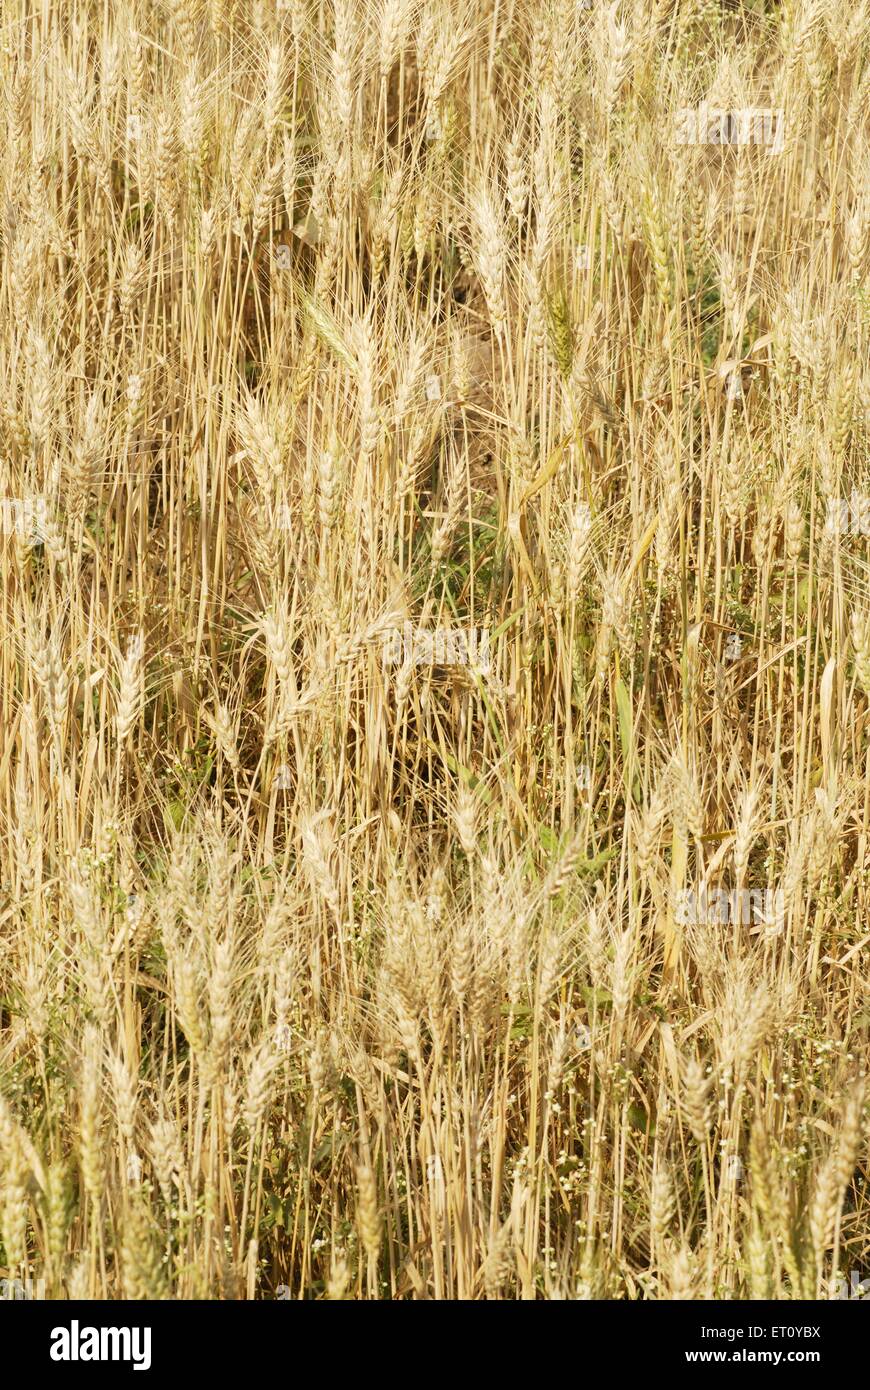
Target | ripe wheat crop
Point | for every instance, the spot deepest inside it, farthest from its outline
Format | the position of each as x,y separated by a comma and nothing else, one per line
434,440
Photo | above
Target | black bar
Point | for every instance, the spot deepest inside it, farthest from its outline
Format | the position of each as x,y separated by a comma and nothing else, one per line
634,1338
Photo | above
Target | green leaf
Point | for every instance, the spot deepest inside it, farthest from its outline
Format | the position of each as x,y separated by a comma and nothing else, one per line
626,736
276,1207
639,1119
548,839
597,862
623,708
593,997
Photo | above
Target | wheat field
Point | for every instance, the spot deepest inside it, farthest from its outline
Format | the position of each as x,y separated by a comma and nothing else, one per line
434,648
